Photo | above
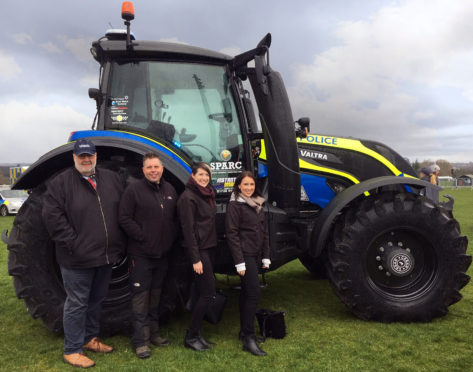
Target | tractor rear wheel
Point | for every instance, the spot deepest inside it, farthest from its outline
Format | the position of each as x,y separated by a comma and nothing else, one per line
37,278
398,257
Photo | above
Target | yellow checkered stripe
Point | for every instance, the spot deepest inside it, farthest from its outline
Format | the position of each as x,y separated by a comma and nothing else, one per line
15,172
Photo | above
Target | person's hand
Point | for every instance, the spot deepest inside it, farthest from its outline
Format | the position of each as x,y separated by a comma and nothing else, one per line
242,272
198,268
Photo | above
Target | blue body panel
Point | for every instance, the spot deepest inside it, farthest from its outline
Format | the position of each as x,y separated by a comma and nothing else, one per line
317,189
133,137
262,170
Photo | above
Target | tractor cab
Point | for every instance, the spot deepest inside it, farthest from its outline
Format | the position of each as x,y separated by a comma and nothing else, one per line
189,107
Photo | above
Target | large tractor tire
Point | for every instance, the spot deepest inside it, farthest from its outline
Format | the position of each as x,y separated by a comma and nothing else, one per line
37,278
398,257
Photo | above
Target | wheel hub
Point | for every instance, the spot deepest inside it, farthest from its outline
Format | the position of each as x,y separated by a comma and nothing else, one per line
400,262
395,259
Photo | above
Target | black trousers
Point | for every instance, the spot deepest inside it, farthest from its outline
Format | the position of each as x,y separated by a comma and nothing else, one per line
249,295
146,279
205,286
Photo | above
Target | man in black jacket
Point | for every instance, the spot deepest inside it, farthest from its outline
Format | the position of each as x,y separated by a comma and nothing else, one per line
148,216
80,212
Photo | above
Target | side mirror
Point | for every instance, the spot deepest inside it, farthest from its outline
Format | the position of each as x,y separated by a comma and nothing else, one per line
97,95
302,127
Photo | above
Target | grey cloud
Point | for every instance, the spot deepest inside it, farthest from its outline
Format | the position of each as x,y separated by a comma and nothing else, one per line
371,81
22,38
9,68
356,68
50,47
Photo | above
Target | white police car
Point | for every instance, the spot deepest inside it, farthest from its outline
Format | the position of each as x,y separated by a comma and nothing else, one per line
11,201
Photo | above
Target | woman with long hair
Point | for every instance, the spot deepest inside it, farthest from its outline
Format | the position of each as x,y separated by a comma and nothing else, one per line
248,240
196,209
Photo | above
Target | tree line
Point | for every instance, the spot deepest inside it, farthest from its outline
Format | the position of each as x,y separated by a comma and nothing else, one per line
446,168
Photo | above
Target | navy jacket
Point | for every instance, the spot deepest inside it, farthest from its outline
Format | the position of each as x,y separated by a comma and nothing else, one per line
83,222
148,216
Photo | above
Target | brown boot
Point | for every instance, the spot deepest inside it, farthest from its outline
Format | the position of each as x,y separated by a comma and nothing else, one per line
143,352
97,346
157,340
78,360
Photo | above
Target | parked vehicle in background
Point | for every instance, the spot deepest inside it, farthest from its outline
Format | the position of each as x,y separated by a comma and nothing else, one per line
11,201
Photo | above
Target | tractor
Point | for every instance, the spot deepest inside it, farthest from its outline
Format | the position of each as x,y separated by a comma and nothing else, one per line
351,210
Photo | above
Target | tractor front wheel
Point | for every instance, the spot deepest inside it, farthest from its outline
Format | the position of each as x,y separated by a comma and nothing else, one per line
398,257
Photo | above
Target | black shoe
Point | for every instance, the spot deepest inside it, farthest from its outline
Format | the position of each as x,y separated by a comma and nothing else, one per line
249,344
261,340
206,342
192,341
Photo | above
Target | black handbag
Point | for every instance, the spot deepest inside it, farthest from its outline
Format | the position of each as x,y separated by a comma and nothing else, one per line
215,312
271,323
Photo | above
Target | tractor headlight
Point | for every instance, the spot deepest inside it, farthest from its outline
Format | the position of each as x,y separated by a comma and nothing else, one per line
335,186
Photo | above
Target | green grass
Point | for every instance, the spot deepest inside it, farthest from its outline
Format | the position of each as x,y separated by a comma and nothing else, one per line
322,334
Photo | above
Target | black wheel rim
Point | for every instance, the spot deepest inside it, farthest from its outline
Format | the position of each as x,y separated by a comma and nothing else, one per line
416,251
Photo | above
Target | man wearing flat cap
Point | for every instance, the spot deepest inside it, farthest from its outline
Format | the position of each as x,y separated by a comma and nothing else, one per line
80,211
425,174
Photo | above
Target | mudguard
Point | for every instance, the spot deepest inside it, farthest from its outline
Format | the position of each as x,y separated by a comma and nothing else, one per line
109,141
322,229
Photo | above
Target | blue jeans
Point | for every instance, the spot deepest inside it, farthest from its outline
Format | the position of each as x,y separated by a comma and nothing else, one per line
85,291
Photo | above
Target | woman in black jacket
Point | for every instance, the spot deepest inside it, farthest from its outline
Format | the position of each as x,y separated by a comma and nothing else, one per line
196,209
247,237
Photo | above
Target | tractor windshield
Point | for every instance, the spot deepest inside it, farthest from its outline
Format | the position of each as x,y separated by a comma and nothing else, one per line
188,106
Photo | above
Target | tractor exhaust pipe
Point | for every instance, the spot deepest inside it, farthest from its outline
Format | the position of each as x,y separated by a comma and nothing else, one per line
278,127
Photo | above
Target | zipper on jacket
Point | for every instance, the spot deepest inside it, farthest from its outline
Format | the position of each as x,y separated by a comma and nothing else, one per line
104,224
160,197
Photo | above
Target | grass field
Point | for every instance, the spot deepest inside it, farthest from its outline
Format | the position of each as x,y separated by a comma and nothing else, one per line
322,334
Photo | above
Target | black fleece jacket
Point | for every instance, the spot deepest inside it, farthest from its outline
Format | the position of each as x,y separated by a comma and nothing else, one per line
197,217
83,222
148,216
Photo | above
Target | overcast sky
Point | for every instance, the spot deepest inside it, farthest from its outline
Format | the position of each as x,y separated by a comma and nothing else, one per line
398,72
